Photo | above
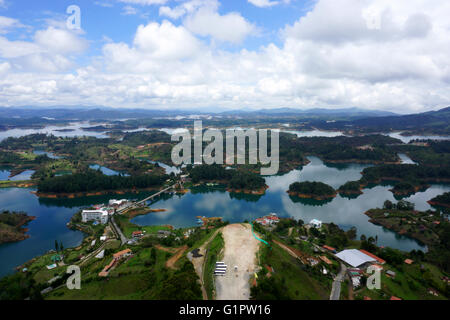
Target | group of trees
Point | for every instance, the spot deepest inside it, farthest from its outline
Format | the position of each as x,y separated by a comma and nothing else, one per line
401,205
93,180
413,174
442,199
312,188
236,179
350,186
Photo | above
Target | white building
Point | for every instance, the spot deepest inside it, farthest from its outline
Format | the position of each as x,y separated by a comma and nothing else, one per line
354,257
100,216
316,223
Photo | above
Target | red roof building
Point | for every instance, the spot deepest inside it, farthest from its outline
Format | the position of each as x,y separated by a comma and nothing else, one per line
395,298
329,248
380,261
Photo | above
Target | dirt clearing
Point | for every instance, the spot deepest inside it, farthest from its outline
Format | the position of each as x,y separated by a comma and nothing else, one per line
240,250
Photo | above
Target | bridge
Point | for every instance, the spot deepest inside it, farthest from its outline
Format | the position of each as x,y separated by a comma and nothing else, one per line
141,202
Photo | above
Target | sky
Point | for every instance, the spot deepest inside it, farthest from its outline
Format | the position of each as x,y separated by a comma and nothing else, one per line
226,54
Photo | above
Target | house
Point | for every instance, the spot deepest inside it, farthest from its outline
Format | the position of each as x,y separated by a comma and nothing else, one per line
395,298
331,249
137,234
164,233
316,223
409,261
325,259
390,273
100,216
379,260
122,254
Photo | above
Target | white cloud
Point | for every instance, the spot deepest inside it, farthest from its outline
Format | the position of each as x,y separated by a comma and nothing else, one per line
129,10
7,24
144,2
60,41
231,27
267,3
328,58
263,3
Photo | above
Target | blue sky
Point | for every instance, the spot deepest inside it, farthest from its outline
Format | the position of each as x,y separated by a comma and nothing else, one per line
107,18
227,54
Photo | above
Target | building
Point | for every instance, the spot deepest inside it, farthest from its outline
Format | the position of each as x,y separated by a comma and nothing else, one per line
409,261
325,259
122,254
390,273
379,260
331,249
316,223
354,257
137,234
100,216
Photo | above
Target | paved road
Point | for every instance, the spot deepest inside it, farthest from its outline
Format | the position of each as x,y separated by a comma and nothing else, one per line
336,289
123,239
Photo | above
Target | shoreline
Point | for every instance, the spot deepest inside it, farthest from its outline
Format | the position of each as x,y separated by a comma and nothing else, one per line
89,194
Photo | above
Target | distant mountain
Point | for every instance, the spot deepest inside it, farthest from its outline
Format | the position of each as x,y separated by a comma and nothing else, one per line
106,113
86,113
349,113
432,121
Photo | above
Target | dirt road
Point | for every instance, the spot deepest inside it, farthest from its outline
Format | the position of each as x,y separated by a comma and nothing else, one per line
170,263
198,262
240,250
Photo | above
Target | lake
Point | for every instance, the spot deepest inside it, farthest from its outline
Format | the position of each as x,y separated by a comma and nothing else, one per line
75,131
182,210
407,139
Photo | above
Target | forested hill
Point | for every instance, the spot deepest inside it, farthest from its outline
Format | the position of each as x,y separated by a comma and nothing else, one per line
436,121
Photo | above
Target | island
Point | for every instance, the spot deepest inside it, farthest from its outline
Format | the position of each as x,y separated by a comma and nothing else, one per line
442,200
350,188
239,180
11,226
311,190
93,182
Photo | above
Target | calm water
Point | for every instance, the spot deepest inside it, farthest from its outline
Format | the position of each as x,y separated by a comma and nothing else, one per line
53,214
315,133
397,135
49,154
25,175
76,131
106,171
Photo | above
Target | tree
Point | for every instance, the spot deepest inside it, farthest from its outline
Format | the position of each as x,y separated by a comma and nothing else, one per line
351,234
363,237
388,205
61,247
56,246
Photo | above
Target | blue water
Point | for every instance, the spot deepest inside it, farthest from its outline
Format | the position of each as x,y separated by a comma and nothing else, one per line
106,171
182,210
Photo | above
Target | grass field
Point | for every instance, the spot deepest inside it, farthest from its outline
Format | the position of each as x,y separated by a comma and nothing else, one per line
214,254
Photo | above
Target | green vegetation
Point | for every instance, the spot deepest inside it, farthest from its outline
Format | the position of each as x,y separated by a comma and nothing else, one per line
92,180
441,200
214,254
235,179
11,226
350,188
316,190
